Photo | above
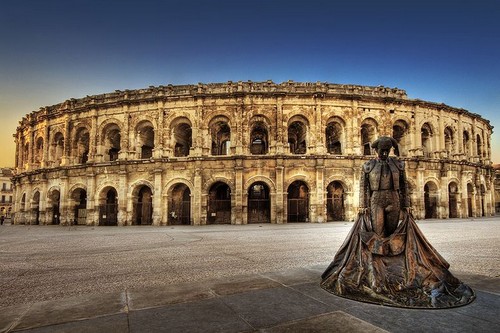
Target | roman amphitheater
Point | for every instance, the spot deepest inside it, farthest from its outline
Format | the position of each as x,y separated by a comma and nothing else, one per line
242,152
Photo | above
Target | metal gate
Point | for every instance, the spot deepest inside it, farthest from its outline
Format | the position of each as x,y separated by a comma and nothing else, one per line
219,211
298,210
144,211
81,216
185,212
108,214
259,211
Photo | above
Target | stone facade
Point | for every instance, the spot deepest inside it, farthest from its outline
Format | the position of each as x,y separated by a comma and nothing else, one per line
6,192
496,168
242,152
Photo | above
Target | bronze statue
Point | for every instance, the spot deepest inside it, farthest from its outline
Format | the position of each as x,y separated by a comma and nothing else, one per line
386,259
383,188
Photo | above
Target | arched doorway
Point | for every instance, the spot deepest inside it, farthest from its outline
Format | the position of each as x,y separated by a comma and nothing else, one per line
179,208
297,133
259,139
35,208
452,200
430,200
143,207
400,133
335,209
368,135
108,207
427,139
259,203
54,203
298,202
145,139
182,137
80,209
219,204
333,134
221,136
111,141
470,195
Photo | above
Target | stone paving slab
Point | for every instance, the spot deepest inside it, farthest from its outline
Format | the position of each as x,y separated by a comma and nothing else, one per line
210,315
108,324
288,301
337,321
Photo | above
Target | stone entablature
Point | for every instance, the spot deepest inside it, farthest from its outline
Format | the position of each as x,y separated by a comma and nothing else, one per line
252,149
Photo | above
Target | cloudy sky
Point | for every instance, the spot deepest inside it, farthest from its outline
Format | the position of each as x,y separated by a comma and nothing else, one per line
440,51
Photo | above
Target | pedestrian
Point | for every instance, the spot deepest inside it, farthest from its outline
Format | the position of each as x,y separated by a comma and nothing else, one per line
1,219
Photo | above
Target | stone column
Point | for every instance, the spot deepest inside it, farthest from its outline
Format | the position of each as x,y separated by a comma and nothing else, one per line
198,198
320,192
238,128
199,132
460,137
65,211
317,146
440,135
417,135
123,199
30,148
157,206
46,145
353,132
92,203
279,125
93,139
125,134
158,132
237,209
280,192
65,159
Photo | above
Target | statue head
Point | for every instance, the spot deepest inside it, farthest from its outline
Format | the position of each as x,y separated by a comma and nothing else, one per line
383,146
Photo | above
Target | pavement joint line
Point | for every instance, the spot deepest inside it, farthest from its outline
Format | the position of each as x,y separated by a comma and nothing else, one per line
221,299
126,308
17,321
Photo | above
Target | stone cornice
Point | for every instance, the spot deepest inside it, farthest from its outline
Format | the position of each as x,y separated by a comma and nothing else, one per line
237,89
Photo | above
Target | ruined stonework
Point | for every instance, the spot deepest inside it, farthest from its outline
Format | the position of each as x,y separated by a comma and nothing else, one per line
242,152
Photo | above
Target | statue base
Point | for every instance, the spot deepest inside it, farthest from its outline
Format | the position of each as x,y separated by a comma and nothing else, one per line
402,270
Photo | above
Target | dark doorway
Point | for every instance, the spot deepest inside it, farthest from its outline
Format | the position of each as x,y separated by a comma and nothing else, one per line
36,207
219,204
108,208
80,213
335,210
453,200
144,207
179,209
430,200
298,202
470,195
259,204
55,198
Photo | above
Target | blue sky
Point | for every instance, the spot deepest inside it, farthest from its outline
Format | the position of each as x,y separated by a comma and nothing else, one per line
440,51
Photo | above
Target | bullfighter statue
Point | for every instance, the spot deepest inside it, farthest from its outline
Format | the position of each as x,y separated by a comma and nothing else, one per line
385,258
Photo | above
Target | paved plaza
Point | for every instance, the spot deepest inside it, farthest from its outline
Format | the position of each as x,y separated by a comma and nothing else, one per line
225,278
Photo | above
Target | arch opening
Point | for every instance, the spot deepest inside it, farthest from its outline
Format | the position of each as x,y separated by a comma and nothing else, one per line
335,202
259,203
143,207
108,207
179,208
219,204
298,202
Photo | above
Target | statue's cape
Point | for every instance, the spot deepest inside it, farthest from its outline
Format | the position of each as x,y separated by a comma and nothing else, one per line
400,270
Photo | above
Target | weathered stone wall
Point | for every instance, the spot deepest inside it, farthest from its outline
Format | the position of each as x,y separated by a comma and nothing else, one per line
243,152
